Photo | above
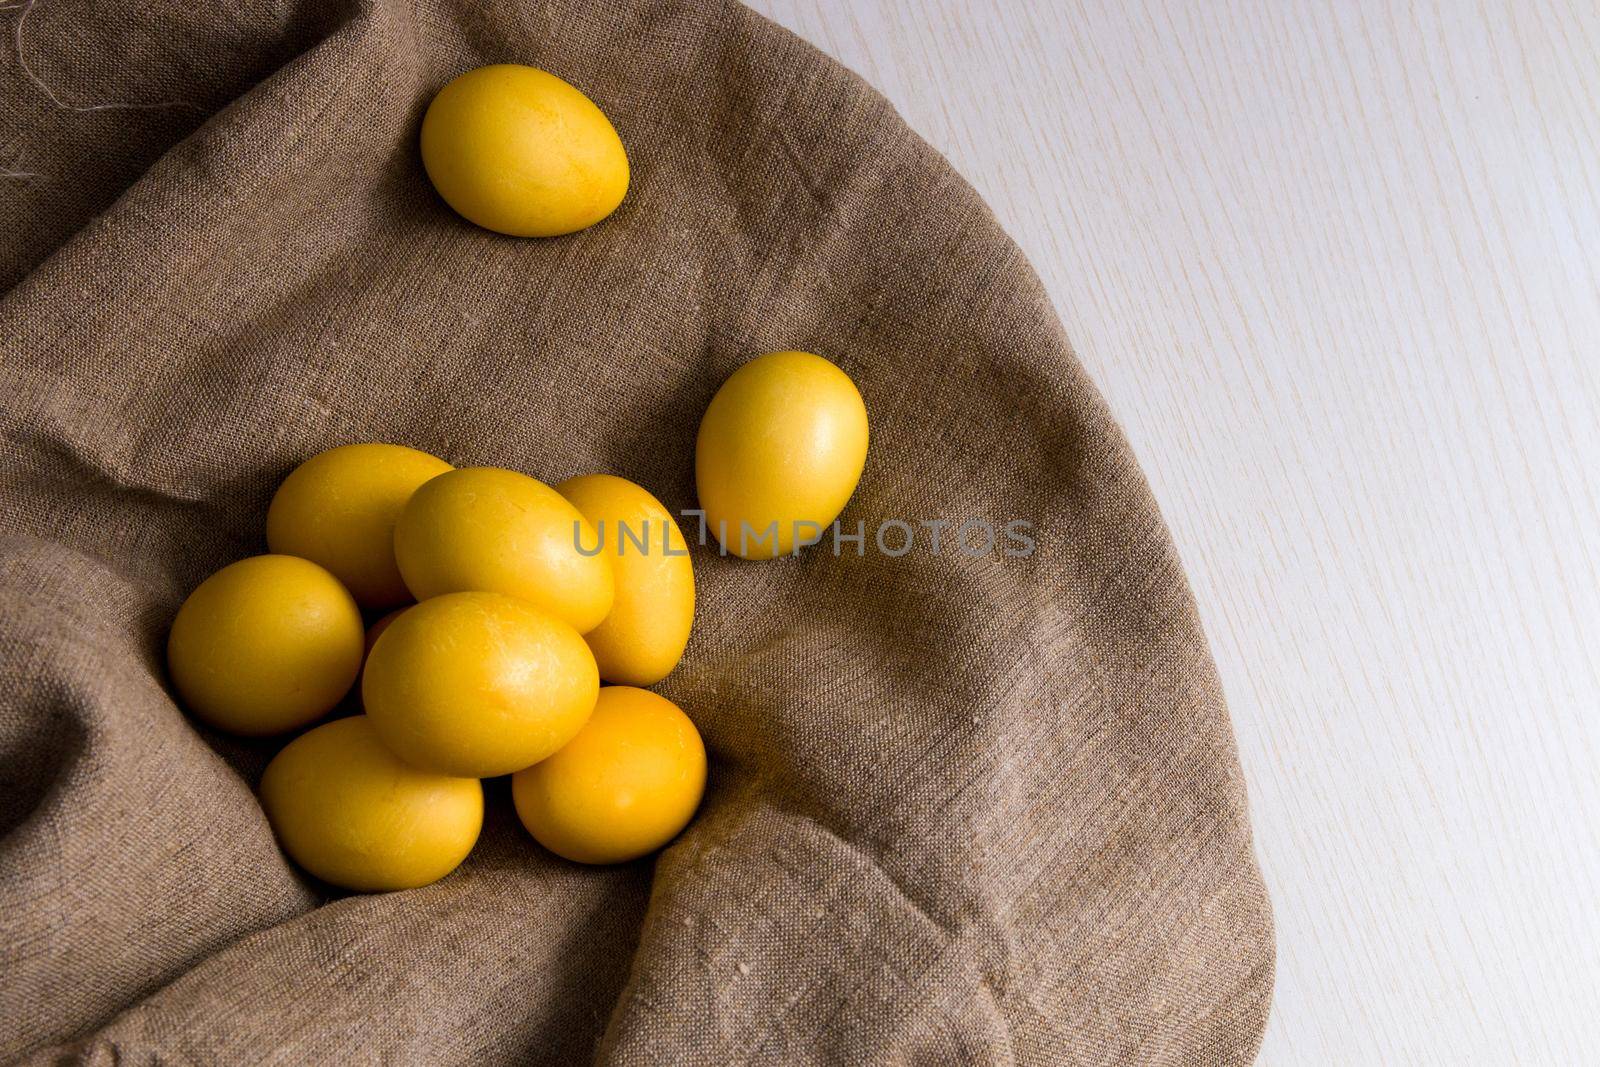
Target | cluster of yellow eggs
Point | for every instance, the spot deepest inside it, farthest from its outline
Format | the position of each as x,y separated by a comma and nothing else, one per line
494,670
499,603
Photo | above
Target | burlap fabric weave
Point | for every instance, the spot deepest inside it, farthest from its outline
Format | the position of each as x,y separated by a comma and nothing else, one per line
961,810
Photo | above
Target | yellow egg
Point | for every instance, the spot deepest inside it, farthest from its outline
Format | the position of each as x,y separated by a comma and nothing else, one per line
517,150
482,528
338,509
643,637
623,787
265,645
348,811
478,684
780,450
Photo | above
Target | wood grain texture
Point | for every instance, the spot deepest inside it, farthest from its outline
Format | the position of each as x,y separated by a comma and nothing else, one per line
1337,268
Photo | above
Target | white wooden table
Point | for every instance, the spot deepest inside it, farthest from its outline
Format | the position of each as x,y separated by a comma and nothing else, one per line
1337,268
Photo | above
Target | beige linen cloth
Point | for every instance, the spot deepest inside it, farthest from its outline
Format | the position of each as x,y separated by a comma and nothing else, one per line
961,810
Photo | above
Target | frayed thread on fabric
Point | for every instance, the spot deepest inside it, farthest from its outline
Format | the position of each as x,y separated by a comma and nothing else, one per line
23,9
9,170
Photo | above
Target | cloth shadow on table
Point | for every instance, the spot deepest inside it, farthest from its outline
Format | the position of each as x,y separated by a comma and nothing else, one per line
961,810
